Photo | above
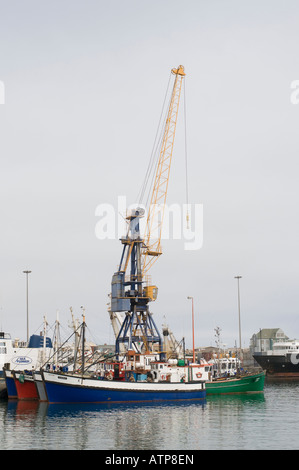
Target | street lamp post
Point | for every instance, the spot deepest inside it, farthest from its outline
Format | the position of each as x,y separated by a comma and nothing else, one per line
27,272
191,298
238,279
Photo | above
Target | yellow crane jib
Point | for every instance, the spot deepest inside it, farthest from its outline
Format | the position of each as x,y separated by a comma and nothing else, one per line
152,241
179,70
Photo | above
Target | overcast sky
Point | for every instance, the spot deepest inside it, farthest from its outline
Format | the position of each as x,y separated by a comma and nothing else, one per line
84,85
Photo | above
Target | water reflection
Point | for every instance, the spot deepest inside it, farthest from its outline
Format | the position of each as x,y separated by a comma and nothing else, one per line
105,426
148,426
250,398
118,407
130,426
220,422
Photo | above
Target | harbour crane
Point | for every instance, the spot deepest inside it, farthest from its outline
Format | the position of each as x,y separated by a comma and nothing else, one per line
131,293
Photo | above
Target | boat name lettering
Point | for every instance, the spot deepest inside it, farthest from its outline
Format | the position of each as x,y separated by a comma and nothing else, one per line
22,360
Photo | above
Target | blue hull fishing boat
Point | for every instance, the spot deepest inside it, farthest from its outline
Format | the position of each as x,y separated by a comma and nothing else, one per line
73,389
161,381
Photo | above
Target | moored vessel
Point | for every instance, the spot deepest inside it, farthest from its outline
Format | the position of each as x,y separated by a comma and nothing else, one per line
16,359
226,376
135,378
40,386
25,385
281,362
163,383
248,383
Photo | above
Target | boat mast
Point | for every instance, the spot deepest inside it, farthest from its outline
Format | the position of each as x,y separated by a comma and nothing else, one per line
44,340
83,341
56,343
75,325
240,341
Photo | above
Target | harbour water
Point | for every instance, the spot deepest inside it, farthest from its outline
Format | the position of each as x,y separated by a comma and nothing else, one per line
263,421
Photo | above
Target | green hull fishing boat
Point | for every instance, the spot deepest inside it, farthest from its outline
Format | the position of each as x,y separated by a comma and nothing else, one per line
251,383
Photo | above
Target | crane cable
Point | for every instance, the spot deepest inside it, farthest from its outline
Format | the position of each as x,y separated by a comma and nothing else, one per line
153,162
186,156
154,156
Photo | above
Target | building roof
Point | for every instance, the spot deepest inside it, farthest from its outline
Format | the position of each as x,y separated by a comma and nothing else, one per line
268,333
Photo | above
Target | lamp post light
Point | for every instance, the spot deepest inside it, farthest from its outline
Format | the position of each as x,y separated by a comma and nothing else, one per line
191,298
238,279
27,272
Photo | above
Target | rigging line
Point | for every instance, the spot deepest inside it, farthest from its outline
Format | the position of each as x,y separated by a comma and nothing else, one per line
154,166
150,165
158,147
156,144
154,158
186,153
92,337
61,346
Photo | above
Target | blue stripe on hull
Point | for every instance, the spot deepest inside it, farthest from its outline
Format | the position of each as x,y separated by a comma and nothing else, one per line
58,393
11,387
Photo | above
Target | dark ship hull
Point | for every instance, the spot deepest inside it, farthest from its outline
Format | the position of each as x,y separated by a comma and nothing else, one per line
279,366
